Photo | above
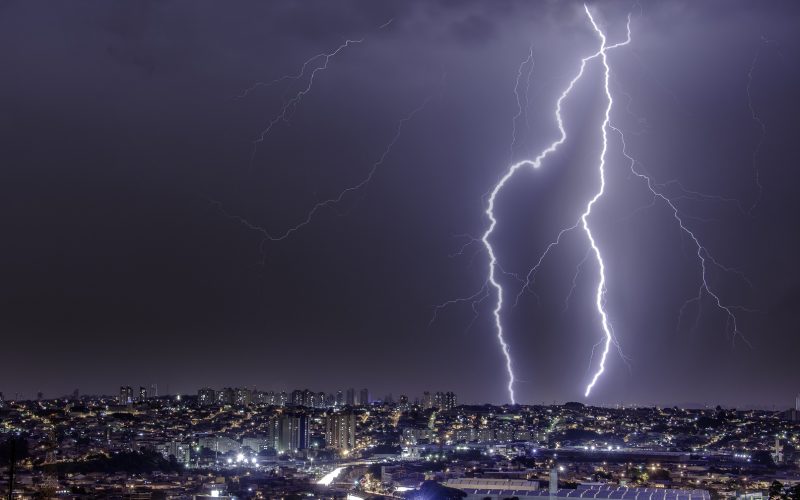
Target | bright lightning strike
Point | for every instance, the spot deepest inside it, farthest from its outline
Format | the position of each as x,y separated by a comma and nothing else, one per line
601,284
536,163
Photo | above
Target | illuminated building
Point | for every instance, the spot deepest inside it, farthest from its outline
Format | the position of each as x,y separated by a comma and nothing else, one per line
243,397
219,444
206,396
180,451
125,395
293,433
226,396
341,431
427,400
256,443
281,399
449,401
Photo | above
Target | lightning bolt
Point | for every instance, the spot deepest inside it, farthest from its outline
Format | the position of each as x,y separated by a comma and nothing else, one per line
601,284
535,163
493,284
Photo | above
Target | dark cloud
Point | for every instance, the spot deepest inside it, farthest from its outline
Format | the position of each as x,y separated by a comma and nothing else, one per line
473,29
119,125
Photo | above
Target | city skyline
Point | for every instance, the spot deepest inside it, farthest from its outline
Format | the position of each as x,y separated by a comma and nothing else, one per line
306,195
209,396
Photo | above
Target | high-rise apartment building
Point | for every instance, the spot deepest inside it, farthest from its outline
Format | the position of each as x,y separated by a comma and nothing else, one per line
438,400
297,398
330,400
281,399
449,401
293,433
125,395
341,431
308,398
226,396
206,397
427,400
243,396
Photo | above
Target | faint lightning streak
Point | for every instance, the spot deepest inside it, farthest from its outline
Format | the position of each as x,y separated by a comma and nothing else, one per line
338,198
476,298
473,299
687,193
761,126
295,100
244,93
697,195
470,241
528,91
531,276
578,270
520,108
592,353
702,253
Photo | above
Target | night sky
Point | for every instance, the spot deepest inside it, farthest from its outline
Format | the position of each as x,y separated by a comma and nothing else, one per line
125,151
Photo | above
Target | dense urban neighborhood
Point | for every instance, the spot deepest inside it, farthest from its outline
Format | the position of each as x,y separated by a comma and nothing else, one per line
253,444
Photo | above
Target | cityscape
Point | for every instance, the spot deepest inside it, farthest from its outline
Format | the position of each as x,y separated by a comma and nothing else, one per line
245,443
400,249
